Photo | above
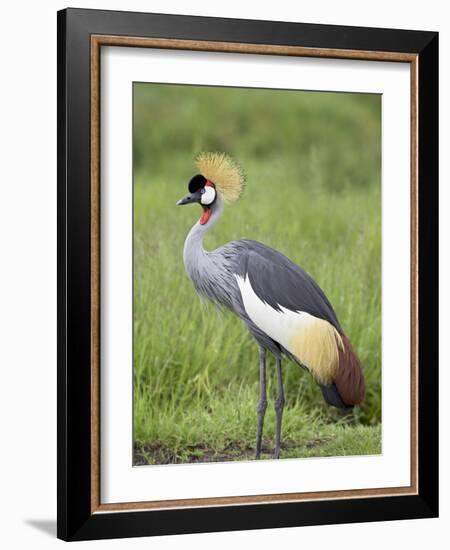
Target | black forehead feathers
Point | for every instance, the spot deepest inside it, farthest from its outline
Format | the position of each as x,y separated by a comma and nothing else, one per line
196,183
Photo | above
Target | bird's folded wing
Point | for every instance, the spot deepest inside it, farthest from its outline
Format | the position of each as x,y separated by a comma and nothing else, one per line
280,283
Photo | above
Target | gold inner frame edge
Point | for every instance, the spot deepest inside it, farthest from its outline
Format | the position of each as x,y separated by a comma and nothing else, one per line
97,41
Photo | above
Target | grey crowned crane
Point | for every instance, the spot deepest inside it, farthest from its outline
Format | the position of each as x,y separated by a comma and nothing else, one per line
283,307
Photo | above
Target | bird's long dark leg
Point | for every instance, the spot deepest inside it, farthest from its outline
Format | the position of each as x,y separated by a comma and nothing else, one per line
279,405
262,405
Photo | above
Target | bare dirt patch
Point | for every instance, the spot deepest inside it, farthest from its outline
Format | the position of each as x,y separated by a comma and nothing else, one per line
161,453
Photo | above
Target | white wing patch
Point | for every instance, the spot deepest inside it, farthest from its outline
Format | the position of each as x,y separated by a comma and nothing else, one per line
313,341
279,325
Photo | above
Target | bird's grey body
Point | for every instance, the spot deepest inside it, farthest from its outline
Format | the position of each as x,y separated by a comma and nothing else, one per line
276,279
213,274
283,307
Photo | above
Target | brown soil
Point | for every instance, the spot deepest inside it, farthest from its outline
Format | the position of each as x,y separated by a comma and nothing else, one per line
160,453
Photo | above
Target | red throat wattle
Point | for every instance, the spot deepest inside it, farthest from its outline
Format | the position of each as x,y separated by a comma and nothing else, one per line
205,215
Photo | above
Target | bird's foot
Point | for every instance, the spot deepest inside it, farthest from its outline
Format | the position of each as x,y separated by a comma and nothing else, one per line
258,450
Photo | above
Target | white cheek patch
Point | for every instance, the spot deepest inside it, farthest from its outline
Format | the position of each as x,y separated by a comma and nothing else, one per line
208,196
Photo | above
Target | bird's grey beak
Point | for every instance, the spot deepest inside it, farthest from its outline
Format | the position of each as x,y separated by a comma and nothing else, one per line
185,200
188,199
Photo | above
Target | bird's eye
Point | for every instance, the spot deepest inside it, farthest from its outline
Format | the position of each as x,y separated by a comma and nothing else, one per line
202,190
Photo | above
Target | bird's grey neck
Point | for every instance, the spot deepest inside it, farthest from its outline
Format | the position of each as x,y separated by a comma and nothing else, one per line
193,245
209,272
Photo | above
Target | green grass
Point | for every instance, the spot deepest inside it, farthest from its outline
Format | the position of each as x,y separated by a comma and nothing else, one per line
313,167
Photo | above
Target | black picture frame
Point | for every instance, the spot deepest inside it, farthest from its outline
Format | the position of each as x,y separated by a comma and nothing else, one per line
75,518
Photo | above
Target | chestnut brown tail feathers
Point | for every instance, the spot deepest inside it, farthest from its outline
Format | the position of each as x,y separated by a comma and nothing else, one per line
349,379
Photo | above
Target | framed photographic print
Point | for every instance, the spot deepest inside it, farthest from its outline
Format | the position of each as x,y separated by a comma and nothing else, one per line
247,256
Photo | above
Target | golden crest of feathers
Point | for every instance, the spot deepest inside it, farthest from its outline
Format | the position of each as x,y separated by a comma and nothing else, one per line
224,172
